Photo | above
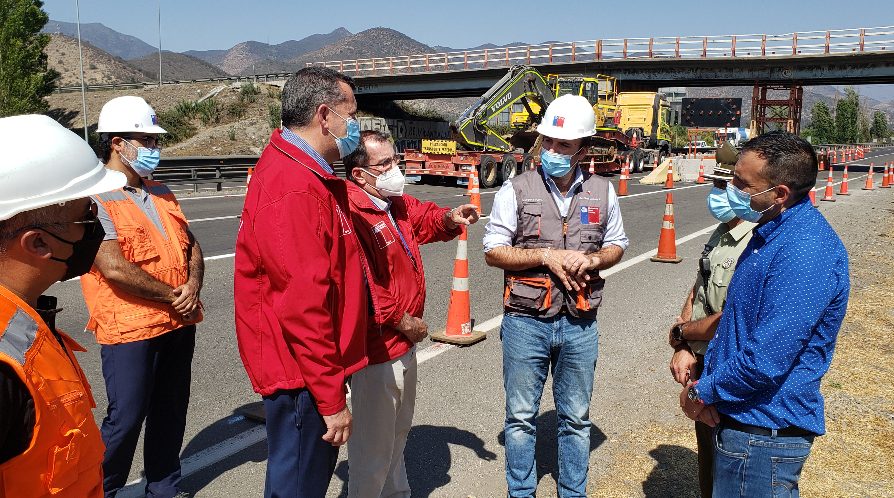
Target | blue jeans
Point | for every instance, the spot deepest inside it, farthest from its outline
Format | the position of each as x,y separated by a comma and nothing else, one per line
533,347
748,465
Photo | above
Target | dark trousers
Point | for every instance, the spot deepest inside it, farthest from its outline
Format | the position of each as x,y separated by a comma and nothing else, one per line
704,440
299,463
147,380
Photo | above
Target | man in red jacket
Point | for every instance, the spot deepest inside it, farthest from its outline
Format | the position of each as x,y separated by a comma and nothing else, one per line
390,225
300,297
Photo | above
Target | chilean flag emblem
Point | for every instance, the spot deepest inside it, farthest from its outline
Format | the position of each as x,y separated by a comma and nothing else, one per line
589,215
558,121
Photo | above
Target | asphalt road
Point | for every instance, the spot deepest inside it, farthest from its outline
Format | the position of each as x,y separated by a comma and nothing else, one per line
455,446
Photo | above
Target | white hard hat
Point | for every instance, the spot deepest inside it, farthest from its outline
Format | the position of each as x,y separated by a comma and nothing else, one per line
42,163
128,114
567,118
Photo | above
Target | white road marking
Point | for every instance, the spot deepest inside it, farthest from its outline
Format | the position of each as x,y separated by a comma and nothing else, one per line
215,218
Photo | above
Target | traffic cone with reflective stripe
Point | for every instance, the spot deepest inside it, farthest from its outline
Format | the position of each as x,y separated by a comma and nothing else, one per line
474,191
622,181
842,190
669,183
813,197
667,241
701,172
829,195
869,185
886,177
459,321
822,165
248,178
592,166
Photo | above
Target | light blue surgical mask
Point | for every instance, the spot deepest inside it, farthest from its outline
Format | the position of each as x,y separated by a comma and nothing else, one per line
718,205
349,142
555,165
740,202
146,161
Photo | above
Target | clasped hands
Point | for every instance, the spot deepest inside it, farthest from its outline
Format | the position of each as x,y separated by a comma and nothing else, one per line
571,267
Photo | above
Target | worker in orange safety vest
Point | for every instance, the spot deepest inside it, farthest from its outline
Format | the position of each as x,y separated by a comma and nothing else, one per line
49,443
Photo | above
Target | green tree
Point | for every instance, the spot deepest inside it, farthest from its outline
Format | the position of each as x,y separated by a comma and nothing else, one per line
822,126
24,77
846,116
879,128
863,127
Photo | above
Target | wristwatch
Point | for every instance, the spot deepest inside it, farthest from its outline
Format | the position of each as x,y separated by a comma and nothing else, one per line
677,332
692,394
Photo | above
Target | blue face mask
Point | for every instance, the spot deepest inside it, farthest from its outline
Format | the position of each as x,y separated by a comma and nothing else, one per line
146,161
349,142
555,165
718,205
740,202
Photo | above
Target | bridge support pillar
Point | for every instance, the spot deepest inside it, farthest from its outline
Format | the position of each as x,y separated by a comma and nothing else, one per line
776,107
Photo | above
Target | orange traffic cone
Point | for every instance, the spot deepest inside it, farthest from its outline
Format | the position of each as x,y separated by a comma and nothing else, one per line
459,321
622,181
669,183
813,197
886,177
701,172
822,165
869,180
842,190
592,166
829,195
248,178
474,191
667,241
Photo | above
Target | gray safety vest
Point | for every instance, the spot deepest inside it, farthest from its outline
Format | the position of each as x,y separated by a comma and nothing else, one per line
539,225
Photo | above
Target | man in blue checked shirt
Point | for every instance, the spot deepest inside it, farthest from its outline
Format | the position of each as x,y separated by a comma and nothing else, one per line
785,304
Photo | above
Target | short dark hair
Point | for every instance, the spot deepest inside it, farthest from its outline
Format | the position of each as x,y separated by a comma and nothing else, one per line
307,90
358,158
104,147
791,161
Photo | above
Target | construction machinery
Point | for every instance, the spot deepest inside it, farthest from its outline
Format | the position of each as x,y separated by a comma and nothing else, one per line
499,153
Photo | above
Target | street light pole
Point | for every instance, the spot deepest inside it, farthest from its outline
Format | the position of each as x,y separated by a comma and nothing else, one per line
159,43
81,58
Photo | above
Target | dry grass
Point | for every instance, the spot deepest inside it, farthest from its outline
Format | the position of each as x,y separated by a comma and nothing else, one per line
853,459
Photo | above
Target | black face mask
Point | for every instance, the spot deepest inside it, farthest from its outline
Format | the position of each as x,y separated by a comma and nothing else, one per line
83,251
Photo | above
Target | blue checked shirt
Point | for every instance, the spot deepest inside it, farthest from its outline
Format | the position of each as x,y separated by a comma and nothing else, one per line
785,304
299,142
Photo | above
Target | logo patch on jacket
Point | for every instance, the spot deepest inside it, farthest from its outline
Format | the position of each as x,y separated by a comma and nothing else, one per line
383,234
589,215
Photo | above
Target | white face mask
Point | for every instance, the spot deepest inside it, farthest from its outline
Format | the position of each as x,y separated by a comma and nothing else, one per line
389,183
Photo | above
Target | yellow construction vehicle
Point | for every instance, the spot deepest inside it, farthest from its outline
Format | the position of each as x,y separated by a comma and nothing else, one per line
601,91
644,118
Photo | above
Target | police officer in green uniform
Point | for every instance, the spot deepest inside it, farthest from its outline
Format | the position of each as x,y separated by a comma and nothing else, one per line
702,309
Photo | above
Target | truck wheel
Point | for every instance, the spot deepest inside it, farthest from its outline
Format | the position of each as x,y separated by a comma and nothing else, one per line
487,172
527,163
637,158
509,167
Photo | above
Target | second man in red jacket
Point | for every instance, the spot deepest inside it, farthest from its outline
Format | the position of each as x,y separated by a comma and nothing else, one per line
390,225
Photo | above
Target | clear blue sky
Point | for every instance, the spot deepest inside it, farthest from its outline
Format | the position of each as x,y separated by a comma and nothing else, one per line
203,25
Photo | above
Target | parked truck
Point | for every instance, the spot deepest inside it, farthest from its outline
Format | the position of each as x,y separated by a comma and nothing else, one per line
478,143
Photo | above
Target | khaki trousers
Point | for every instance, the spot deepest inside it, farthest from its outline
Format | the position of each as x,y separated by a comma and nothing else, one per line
383,397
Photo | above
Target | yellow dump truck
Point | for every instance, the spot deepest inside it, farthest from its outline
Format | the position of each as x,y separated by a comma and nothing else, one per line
644,117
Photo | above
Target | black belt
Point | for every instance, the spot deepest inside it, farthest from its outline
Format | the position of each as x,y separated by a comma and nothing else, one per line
790,431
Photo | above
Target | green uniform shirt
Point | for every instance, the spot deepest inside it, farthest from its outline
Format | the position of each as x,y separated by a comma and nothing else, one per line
727,247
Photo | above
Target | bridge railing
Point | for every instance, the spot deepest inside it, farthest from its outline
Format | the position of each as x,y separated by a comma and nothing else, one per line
844,41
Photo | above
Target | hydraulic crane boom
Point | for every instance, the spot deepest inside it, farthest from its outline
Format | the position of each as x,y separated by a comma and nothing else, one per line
521,83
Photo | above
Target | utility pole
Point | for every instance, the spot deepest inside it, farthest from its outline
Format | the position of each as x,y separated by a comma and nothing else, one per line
159,43
81,58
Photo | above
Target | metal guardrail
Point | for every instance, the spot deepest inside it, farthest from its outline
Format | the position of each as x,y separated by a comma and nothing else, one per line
143,84
805,43
195,170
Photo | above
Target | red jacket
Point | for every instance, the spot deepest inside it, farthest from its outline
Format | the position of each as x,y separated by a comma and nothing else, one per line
397,284
301,303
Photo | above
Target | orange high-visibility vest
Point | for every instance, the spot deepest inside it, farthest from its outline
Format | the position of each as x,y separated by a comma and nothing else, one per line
64,457
117,316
